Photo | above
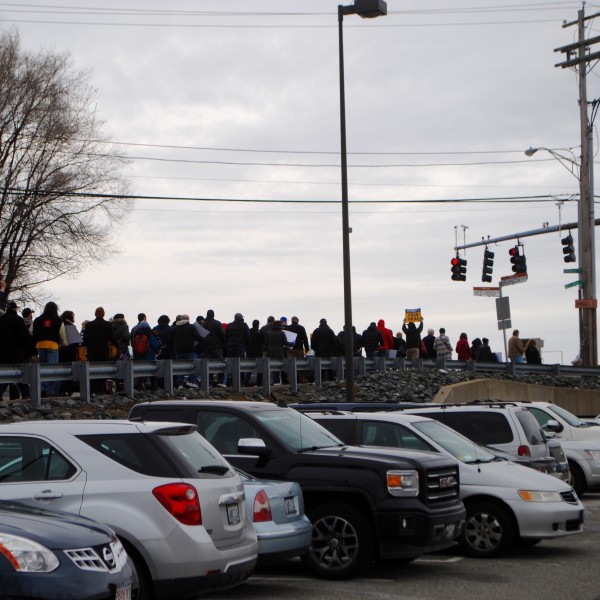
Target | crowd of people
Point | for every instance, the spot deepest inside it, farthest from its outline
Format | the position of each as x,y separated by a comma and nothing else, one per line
54,337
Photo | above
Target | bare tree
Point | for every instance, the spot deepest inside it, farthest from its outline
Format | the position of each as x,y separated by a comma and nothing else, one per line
61,192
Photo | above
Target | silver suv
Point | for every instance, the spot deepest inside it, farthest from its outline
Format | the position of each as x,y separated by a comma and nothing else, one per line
177,506
505,427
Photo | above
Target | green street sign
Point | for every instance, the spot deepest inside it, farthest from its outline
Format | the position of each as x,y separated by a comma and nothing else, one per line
574,283
572,270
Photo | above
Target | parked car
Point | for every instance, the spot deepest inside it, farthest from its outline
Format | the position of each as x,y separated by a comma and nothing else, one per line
506,503
364,503
49,555
503,426
276,509
175,503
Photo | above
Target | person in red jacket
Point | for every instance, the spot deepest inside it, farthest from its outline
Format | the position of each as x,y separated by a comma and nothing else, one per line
388,338
463,350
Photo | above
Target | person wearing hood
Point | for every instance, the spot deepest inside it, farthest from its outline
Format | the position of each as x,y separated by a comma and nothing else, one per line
372,340
463,350
15,345
185,337
388,339
413,339
122,334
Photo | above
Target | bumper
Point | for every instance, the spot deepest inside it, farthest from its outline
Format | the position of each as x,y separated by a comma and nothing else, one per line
191,564
192,587
280,542
410,534
66,583
544,520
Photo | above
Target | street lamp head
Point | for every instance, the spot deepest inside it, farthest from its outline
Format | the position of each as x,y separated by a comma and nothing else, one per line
531,151
368,9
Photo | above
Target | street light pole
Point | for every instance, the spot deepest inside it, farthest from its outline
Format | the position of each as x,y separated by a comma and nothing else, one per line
366,9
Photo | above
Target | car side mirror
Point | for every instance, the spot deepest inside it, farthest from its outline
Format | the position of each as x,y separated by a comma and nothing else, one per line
254,447
554,425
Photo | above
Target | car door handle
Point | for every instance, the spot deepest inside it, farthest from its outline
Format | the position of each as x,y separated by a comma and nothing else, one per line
47,495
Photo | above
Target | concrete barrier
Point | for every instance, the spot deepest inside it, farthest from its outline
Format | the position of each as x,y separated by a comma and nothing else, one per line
583,403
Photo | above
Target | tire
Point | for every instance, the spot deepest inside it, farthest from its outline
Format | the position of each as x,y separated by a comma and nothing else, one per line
146,589
578,478
489,531
342,545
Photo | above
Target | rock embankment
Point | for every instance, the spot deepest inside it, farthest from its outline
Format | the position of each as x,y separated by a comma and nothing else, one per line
392,386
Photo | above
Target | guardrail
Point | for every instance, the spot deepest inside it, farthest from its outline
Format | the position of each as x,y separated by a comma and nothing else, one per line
204,370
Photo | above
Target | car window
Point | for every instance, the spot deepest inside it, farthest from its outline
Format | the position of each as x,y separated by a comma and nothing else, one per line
531,427
224,430
570,418
342,428
541,416
31,459
134,451
485,428
393,435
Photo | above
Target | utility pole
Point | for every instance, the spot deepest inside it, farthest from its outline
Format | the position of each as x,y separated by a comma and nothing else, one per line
579,56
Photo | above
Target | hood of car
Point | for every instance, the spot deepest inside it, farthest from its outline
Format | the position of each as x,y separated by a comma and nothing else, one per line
507,474
55,530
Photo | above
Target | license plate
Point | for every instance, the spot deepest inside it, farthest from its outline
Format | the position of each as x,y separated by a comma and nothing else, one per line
290,506
123,592
233,514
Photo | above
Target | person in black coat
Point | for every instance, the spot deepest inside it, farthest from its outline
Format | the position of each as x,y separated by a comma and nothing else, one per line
324,343
372,340
15,344
532,354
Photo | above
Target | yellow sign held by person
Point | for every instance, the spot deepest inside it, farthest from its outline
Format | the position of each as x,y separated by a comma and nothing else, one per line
413,315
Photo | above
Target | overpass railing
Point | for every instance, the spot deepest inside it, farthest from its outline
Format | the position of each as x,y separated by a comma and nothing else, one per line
317,369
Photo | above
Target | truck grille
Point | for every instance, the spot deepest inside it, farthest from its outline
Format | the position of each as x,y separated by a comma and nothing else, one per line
442,485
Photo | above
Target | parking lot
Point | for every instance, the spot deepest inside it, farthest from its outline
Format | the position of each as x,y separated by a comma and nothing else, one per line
565,568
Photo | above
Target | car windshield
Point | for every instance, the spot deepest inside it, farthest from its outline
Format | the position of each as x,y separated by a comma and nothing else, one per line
459,446
296,430
570,418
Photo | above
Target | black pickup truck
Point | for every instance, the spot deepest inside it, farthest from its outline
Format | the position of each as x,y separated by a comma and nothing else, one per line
365,504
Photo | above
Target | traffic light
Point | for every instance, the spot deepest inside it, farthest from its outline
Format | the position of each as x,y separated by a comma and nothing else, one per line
568,249
517,258
459,268
488,266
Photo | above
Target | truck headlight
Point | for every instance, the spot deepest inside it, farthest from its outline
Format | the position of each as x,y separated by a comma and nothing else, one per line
403,483
536,496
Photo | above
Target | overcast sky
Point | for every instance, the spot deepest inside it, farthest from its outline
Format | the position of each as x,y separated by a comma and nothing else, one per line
239,100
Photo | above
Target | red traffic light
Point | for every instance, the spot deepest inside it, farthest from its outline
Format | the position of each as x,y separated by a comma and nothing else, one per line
514,251
454,261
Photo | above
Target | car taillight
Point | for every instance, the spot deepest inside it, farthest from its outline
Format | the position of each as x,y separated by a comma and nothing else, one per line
181,500
261,510
524,451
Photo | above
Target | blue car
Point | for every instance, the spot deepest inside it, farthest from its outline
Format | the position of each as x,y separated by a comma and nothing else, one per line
47,555
276,509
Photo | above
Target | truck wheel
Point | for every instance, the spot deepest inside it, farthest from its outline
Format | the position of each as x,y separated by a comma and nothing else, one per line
489,531
341,546
578,483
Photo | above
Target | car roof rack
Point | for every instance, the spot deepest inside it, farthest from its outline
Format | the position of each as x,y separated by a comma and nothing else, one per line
359,406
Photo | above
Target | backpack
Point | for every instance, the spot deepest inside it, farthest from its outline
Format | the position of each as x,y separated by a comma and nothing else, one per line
141,343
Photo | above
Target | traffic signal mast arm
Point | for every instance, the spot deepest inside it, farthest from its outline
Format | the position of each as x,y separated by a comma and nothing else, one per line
514,236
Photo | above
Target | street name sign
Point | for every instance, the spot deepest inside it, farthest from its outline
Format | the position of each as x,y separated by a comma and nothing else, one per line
493,292
572,270
573,284
512,279
586,303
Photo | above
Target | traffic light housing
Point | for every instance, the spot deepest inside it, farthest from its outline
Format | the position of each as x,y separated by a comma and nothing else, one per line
488,266
517,258
459,268
568,249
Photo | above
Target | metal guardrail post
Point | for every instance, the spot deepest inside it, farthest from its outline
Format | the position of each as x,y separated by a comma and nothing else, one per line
203,366
317,372
339,368
440,362
292,370
126,368
556,370
379,364
233,367
81,373
362,365
471,365
31,376
165,372
266,375
511,367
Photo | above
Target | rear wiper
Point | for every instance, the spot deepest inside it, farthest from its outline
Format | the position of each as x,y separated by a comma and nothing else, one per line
216,469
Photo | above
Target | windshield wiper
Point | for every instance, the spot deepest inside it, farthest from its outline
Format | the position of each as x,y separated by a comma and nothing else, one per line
216,469
313,448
